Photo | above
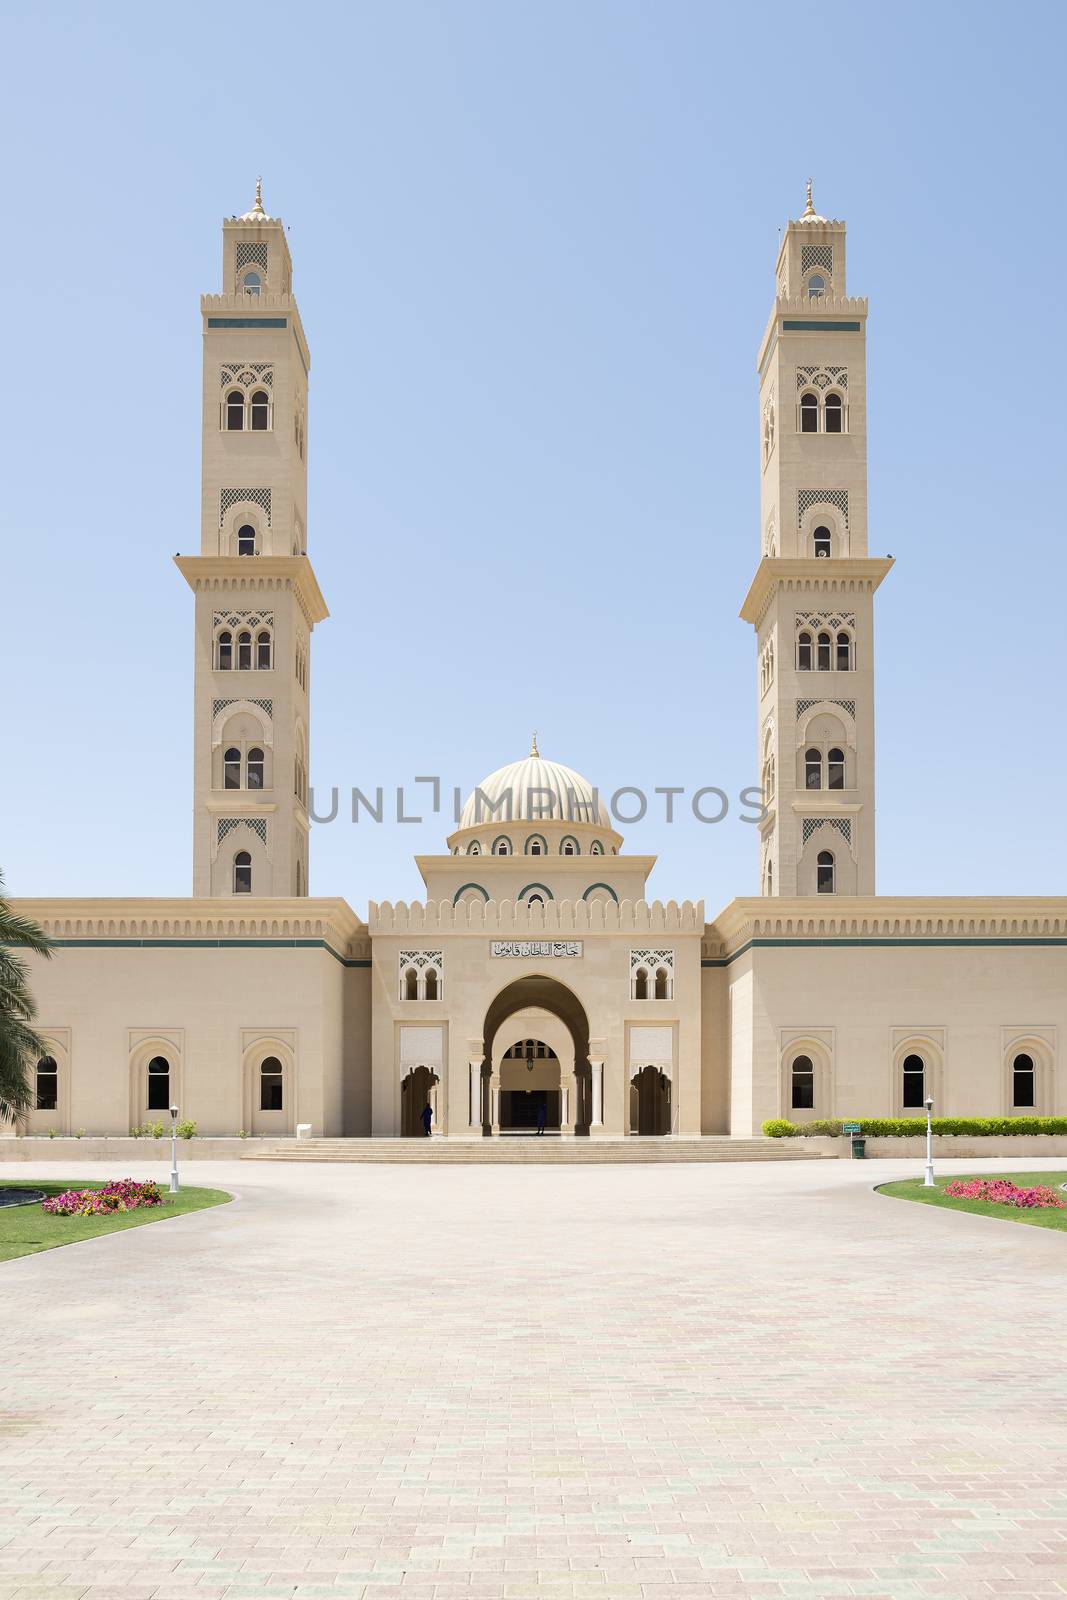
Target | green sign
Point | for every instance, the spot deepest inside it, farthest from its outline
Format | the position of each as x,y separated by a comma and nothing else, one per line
850,1127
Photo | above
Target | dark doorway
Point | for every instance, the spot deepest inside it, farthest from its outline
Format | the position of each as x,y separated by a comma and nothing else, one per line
650,1102
416,1092
520,1110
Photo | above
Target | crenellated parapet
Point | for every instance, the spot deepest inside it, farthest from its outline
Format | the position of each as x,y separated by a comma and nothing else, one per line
556,917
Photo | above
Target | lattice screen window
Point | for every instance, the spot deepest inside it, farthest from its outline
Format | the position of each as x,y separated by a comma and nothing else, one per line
251,254
846,705
236,497
812,824
243,619
806,498
220,705
258,825
652,974
247,375
421,974
826,619
816,255
822,378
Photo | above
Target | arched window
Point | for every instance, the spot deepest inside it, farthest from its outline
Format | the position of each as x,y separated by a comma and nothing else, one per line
244,652
246,540
501,847
835,769
159,1084
1023,1081
47,1084
474,848
260,410
844,653
596,848
535,899
224,652
809,413
431,984
662,984
816,287
270,1085
536,846
823,542
802,1084
235,411
411,984
825,646
263,650
242,873
804,653
913,1091
252,283
568,847
813,769
641,984
825,872
770,877
255,769
835,414
231,768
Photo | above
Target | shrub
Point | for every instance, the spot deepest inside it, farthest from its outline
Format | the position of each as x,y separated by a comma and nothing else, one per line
242,1133
119,1194
154,1129
904,1127
79,1133
51,1133
187,1128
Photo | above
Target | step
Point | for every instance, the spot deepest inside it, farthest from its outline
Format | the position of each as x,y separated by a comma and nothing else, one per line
534,1151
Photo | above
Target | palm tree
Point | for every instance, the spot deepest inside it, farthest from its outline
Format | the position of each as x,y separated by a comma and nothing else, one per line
19,1044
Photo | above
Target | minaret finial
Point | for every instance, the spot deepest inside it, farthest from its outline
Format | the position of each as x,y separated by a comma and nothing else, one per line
257,209
809,209
535,754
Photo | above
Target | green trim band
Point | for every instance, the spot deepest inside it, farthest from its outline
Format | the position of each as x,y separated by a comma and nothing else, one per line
874,944
248,322
822,327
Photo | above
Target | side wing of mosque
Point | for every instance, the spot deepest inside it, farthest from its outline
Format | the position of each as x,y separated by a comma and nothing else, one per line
536,988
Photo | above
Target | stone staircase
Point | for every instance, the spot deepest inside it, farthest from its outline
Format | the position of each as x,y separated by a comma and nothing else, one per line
533,1151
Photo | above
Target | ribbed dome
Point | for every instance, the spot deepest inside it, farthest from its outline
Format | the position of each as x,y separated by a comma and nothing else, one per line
573,796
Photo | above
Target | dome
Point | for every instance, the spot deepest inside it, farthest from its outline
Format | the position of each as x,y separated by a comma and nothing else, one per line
574,799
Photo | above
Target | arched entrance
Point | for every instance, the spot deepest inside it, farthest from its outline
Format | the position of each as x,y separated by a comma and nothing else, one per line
531,1089
650,1101
544,994
418,1089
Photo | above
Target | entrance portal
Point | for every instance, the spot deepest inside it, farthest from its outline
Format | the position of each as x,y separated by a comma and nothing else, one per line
650,1102
531,1096
556,1018
417,1090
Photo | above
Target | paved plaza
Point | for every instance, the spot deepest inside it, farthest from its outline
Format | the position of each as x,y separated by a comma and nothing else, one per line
758,1380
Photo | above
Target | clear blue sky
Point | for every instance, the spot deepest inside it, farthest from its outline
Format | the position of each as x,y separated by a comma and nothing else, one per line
534,251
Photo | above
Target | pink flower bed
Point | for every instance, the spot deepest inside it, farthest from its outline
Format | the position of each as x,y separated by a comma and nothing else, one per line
1002,1192
121,1194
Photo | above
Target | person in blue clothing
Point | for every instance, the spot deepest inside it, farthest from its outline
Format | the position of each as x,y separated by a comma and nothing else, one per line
541,1117
427,1118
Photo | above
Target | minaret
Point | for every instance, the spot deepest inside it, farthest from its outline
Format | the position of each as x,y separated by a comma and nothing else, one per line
257,599
812,599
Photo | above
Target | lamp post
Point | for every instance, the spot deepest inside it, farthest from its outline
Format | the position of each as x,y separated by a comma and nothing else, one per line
928,1180
174,1149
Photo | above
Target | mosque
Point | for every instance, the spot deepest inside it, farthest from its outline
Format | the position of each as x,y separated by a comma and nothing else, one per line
537,986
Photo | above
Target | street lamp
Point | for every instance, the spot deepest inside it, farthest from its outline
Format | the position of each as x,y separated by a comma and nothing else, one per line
928,1180
174,1149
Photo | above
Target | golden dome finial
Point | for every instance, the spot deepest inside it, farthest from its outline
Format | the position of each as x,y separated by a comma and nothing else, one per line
535,754
259,197
809,209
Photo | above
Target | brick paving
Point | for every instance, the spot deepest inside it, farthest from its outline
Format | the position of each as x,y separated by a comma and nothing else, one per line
499,1383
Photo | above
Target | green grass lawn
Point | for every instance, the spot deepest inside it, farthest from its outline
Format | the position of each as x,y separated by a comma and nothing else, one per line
912,1189
24,1230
